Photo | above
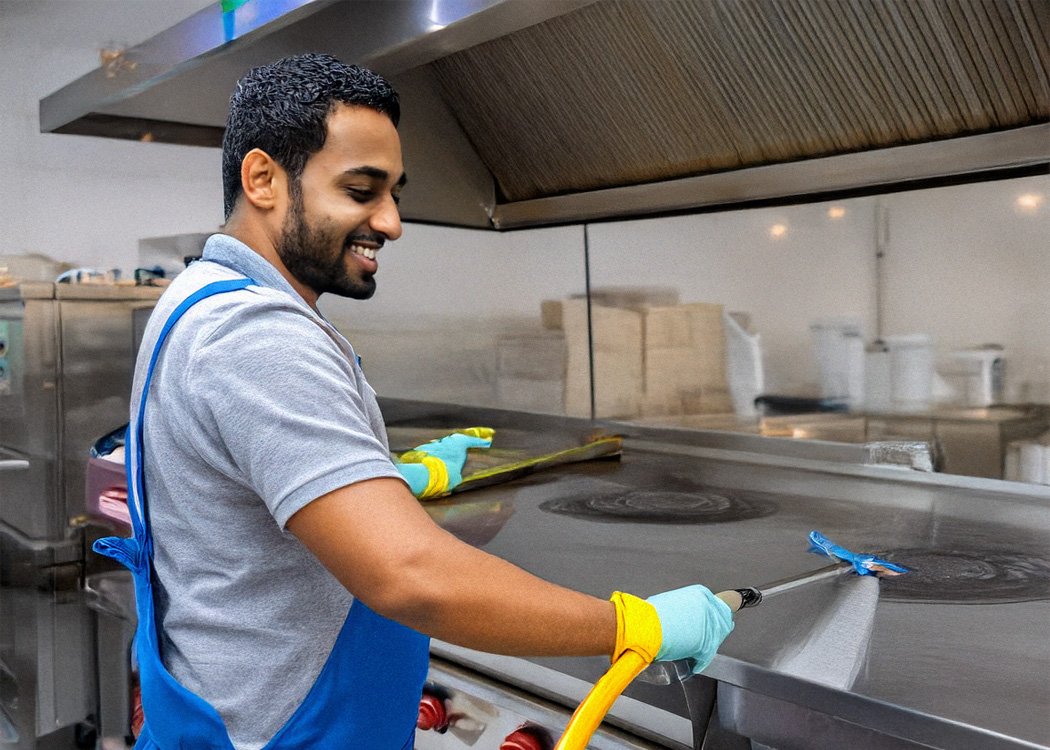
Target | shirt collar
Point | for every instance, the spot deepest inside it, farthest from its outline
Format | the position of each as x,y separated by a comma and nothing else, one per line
234,254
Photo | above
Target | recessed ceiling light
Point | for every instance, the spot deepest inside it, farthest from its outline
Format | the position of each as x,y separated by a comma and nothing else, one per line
1029,202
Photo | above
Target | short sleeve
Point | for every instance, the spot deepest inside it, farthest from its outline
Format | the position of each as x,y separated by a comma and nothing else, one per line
282,408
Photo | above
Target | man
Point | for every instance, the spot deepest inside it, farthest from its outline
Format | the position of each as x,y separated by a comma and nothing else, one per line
292,571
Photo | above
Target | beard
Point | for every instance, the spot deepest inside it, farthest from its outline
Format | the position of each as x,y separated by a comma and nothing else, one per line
310,255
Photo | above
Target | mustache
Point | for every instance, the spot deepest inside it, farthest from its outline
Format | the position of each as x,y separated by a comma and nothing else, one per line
371,239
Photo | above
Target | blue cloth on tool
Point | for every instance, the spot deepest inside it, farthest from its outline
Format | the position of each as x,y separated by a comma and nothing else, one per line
821,545
694,622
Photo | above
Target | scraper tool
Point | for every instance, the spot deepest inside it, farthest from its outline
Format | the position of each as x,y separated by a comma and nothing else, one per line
592,710
662,673
865,565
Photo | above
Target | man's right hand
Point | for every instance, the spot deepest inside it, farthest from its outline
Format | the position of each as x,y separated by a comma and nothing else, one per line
694,623
686,623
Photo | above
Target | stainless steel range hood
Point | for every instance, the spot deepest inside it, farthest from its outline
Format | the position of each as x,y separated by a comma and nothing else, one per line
535,112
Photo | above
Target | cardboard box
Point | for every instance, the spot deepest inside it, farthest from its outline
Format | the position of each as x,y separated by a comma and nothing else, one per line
550,314
684,361
648,360
530,371
617,342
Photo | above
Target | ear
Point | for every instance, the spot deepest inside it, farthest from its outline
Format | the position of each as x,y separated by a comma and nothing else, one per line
263,181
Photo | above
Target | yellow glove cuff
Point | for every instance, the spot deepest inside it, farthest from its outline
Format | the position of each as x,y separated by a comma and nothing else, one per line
637,627
485,433
437,479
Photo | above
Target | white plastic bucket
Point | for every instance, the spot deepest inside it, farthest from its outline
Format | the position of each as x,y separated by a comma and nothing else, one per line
911,371
839,349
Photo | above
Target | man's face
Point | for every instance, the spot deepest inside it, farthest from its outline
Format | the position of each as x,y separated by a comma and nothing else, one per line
344,206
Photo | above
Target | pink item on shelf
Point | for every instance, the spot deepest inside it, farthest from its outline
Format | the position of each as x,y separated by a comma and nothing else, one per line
106,491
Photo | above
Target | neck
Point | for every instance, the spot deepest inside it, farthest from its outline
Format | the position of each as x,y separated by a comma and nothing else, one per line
263,243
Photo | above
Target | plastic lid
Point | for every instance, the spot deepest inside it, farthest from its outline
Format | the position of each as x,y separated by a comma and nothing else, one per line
908,340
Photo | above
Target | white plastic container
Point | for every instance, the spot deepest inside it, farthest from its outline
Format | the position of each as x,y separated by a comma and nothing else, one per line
839,349
744,370
911,371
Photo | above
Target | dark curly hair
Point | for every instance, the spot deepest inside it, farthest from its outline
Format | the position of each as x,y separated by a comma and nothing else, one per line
282,108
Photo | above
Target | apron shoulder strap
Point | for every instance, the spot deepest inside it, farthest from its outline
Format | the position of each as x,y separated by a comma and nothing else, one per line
134,442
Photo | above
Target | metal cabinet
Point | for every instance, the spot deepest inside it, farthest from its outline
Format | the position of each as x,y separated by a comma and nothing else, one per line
66,365
65,379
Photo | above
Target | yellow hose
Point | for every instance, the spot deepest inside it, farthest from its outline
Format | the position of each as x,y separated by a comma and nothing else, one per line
589,714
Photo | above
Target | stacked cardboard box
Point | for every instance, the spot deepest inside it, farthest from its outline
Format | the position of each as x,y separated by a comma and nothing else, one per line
683,354
617,343
649,359
530,371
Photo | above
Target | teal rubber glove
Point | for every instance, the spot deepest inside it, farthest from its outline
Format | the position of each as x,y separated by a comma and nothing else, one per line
436,468
694,623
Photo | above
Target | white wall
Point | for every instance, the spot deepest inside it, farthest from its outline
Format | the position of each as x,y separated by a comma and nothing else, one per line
434,273
80,199
818,268
963,264
969,266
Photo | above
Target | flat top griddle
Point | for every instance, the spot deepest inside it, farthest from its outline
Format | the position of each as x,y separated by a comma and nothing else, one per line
962,644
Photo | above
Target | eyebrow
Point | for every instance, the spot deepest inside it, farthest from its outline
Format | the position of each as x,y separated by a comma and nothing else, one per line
377,174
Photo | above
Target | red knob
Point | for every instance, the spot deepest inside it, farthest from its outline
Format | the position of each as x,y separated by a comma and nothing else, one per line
432,714
137,717
521,739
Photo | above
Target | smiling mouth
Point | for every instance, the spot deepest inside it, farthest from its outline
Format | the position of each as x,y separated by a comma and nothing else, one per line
367,252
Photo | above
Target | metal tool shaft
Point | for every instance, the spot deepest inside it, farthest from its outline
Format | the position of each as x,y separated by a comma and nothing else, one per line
751,596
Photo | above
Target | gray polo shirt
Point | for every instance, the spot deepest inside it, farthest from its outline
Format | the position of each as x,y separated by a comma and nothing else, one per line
257,407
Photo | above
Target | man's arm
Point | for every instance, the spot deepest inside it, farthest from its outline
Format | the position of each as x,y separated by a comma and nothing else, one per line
384,548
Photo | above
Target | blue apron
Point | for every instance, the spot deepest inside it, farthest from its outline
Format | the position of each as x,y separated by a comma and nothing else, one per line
367,694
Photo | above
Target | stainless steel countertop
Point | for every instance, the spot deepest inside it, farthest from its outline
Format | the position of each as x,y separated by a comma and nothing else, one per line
50,290
949,674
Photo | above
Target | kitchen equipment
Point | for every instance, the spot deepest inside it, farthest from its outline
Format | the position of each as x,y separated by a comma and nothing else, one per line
65,370
477,135
976,375
851,612
958,648
829,640
69,351
110,596
969,441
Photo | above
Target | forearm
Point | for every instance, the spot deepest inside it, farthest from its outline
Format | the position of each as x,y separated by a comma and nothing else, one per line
474,599
378,541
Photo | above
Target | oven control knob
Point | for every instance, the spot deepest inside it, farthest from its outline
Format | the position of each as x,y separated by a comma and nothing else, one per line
522,739
432,714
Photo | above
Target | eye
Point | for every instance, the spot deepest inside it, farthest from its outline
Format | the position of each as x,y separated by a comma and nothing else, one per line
361,195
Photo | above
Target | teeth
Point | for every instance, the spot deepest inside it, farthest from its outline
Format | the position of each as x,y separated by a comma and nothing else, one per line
365,251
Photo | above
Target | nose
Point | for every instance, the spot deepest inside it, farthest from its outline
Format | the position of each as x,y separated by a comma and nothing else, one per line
387,219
